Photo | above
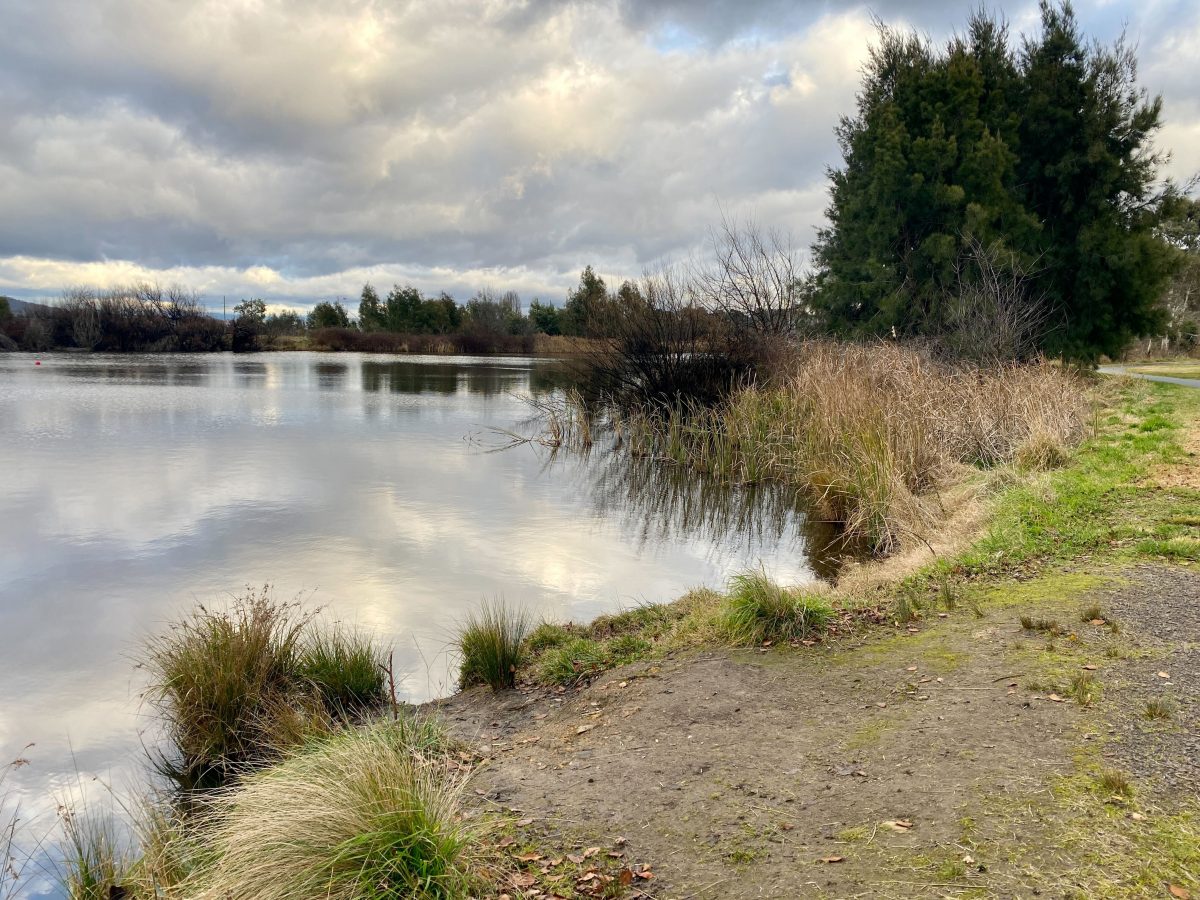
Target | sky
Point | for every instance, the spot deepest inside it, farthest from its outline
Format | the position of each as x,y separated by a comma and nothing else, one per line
295,149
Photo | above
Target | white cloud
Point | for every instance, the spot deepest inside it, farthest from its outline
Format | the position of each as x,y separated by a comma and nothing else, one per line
294,149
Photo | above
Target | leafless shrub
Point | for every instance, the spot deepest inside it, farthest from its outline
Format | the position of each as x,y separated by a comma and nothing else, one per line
997,314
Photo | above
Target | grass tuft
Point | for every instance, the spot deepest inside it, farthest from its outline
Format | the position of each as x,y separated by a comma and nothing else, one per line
491,643
364,814
1114,783
1158,709
571,662
758,610
346,668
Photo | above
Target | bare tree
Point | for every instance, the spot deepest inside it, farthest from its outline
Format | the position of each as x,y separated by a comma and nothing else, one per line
754,276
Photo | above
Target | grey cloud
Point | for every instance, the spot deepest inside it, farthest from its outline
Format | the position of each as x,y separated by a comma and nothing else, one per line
436,141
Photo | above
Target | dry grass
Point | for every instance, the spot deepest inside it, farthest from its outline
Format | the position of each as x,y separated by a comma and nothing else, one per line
872,432
369,813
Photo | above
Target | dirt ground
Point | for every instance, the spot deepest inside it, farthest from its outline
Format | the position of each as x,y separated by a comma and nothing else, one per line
923,761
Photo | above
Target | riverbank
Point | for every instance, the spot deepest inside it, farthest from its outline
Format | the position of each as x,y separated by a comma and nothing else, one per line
1022,720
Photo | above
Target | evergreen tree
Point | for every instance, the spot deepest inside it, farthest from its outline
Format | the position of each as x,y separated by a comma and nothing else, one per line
371,315
583,315
1042,156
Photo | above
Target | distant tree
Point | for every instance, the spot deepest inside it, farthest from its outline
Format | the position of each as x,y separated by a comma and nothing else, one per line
328,315
1044,156
402,310
285,322
371,314
584,313
544,317
249,316
1181,301
5,310
488,313
439,315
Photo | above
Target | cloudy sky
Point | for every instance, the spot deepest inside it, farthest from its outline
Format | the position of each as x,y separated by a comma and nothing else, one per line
293,149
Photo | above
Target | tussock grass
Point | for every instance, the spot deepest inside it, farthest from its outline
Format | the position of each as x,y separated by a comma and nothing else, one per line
1158,709
236,687
368,813
870,432
491,643
95,860
1114,783
347,669
759,610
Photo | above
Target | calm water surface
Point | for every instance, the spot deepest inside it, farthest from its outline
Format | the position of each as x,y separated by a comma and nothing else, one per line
133,487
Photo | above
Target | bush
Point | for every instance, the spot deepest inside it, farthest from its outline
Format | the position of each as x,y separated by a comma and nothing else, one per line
369,813
758,610
491,643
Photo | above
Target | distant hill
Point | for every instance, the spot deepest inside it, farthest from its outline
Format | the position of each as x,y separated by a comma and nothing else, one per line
24,307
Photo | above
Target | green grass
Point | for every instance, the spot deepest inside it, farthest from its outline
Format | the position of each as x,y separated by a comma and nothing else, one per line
347,669
238,686
574,661
367,814
758,610
491,643
1099,503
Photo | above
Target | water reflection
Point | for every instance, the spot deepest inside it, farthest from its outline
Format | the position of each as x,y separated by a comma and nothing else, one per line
662,503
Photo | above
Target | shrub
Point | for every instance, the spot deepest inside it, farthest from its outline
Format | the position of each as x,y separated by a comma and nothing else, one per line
367,813
573,661
346,668
759,610
491,643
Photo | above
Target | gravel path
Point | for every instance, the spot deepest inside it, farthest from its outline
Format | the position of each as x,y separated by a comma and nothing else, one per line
1160,611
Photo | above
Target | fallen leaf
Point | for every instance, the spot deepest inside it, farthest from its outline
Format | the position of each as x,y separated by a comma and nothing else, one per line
833,859
529,857
1055,698
590,851
1136,816
625,877
1180,892
1096,622
507,842
576,858
582,728
786,826
911,669
1163,675
645,874
900,825
522,823
524,881
1090,667
615,854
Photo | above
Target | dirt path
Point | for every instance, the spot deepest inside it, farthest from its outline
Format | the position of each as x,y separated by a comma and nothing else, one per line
924,763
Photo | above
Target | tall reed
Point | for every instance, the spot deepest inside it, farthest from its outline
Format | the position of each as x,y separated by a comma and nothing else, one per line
870,432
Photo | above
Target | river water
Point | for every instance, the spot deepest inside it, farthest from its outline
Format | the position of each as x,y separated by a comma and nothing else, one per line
134,487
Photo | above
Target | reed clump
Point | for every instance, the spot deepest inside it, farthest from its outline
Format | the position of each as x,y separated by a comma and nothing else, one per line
870,432
235,687
758,610
491,644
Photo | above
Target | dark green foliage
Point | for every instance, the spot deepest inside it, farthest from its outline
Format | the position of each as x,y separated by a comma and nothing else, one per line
544,317
587,307
5,310
329,315
347,670
1042,152
575,660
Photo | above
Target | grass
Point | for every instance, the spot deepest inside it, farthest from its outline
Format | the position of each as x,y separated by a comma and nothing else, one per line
346,668
367,813
1101,503
491,643
1158,709
95,860
758,610
13,857
236,687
